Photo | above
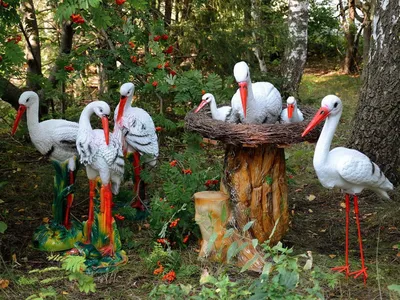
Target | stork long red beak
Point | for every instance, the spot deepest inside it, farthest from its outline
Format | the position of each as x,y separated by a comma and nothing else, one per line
104,122
20,112
243,96
321,115
122,102
290,109
203,102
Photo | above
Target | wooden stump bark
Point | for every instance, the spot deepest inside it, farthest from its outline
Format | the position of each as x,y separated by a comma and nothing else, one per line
213,215
255,179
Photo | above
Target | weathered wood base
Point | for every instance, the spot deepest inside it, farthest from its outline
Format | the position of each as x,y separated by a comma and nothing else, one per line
213,215
255,179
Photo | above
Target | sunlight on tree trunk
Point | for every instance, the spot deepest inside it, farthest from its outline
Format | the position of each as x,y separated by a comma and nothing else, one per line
256,16
375,128
296,49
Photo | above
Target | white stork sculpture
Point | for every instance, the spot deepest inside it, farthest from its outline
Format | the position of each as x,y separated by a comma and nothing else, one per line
292,113
347,169
254,103
53,138
139,133
102,157
217,113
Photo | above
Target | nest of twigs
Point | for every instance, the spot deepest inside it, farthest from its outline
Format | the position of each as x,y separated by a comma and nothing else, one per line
252,134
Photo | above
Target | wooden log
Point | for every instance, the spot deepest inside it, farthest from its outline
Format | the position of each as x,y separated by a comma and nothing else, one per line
256,180
213,215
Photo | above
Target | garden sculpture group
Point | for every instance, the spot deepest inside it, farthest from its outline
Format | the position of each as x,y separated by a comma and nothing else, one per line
252,202
102,154
254,170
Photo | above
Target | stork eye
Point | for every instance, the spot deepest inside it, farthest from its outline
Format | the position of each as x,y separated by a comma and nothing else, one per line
335,105
27,100
101,110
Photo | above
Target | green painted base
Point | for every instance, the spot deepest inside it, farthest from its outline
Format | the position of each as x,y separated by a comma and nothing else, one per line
55,237
98,264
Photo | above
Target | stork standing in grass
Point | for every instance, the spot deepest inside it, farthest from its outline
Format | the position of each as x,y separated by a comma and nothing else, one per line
139,134
102,157
53,138
347,169
217,113
292,113
254,103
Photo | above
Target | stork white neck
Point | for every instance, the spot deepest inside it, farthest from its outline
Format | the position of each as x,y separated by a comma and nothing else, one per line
84,120
325,140
32,115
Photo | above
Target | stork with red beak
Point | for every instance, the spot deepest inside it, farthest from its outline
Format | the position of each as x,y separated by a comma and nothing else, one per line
254,103
102,157
291,114
53,138
217,113
347,169
139,134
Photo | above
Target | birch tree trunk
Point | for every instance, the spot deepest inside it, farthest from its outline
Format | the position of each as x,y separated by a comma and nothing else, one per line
258,42
377,118
296,49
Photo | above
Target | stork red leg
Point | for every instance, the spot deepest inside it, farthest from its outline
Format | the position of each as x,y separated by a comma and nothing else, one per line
345,268
363,270
89,224
70,199
107,199
136,170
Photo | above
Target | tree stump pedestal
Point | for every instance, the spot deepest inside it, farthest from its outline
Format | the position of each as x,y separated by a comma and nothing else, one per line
254,175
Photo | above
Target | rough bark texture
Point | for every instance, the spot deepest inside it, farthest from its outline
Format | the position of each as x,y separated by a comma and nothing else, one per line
296,49
255,178
251,134
213,215
376,129
31,32
258,42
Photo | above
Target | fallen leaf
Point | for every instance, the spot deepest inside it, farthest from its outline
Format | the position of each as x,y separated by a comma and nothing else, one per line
1,201
332,256
322,230
18,169
398,254
204,276
21,210
36,186
65,293
4,283
342,205
146,225
311,197
395,247
45,220
310,210
298,190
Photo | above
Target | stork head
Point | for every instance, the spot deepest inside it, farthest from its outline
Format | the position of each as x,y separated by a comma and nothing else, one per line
330,105
291,106
242,76
126,92
207,98
102,110
25,100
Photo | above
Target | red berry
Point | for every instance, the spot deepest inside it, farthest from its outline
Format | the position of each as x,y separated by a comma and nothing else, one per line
1,58
157,38
172,72
131,44
169,50
120,2
164,37
155,83
134,59
159,66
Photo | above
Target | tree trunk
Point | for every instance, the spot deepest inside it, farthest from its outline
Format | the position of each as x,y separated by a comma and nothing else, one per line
296,49
367,32
375,129
256,181
167,13
350,30
187,10
30,29
9,92
258,41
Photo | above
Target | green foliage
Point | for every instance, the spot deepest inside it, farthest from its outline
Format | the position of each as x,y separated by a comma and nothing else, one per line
395,288
44,293
179,179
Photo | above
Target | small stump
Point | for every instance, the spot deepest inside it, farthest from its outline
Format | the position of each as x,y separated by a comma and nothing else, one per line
254,175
